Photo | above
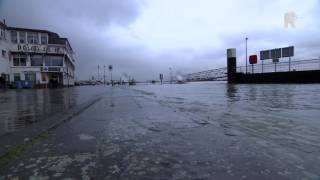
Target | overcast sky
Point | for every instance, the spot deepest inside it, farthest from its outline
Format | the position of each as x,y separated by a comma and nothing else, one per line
145,37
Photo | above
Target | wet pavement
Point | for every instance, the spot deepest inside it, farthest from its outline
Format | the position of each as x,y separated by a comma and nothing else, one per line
183,132
22,108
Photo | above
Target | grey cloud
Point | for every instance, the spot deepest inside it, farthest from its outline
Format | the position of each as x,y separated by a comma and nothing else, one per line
83,22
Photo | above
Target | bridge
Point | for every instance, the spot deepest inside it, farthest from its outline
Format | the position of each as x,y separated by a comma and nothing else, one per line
219,74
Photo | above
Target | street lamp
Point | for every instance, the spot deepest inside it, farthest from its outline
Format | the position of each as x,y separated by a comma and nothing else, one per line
246,55
98,73
104,74
110,69
171,79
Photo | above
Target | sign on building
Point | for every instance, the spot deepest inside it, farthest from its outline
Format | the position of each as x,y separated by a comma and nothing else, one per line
53,49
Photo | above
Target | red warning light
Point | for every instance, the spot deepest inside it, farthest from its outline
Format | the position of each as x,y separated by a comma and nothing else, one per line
253,59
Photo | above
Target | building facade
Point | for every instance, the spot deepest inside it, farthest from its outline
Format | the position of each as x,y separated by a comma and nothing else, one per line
39,57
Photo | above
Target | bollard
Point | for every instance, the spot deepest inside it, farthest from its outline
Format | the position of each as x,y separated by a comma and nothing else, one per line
231,64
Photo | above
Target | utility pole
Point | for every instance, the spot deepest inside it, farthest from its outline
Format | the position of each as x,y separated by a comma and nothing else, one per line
110,69
170,75
246,55
98,73
104,74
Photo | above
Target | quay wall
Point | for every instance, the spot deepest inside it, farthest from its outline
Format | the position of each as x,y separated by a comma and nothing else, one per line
277,77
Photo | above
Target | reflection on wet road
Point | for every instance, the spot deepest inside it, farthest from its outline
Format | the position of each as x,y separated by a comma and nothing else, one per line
191,131
21,108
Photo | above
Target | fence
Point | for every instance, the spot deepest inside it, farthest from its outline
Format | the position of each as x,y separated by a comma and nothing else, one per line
300,65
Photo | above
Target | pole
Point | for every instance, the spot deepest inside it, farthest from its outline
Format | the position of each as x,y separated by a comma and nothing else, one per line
246,55
170,75
289,64
98,72
252,68
104,74
262,66
275,67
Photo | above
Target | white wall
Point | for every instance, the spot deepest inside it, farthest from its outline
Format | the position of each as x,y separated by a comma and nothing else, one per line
6,63
4,60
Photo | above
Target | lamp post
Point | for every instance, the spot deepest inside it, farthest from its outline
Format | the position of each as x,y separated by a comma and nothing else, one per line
104,74
246,55
98,73
110,69
171,79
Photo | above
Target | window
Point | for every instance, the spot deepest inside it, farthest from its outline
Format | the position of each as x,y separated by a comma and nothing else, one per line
36,60
19,60
57,61
23,61
2,32
54,61
22,37
16,62
4,52
14,36
16,77
33,38
30,76
44,39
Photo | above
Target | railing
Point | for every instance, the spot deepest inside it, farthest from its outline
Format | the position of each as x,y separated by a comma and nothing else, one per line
300,65
213,74
221,73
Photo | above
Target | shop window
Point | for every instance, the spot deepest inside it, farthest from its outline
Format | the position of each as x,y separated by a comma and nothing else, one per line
16,77
43,77
30,76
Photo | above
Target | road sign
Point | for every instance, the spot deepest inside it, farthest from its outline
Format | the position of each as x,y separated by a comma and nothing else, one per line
276,53
264,55
288,51
253,59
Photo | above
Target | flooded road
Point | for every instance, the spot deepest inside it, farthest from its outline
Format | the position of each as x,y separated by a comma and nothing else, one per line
22,108
189,131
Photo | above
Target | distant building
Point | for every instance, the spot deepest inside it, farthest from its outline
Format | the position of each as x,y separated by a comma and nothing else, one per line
37,56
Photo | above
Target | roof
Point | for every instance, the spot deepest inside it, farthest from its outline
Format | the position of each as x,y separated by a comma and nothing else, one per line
54,38
27,29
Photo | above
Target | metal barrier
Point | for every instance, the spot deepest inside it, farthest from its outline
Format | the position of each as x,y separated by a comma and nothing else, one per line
220,74
300,65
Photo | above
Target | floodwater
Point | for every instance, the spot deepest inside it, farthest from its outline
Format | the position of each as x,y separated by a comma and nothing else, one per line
260,108
283,113
21,108
207,130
